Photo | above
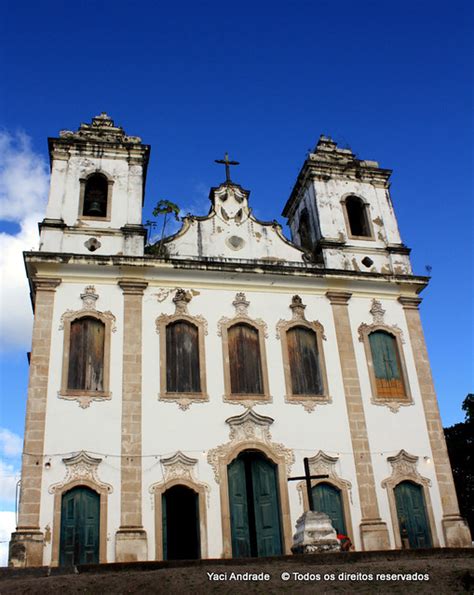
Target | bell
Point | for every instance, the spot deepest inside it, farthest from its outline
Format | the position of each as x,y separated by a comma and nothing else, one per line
95,208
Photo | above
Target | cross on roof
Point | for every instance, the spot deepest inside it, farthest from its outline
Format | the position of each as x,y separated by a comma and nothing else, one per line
227,163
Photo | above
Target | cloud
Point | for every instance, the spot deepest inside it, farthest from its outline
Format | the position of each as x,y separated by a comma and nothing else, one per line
9,476
23,194
11,444
7,526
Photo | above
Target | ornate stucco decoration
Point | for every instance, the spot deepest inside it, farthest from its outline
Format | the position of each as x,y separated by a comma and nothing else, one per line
230,203
89,307
181,300
81,468
248,430
404,467
298,319
378,314
324,464
102,128
241,305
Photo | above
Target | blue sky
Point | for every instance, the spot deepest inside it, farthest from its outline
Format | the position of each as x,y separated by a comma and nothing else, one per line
261,80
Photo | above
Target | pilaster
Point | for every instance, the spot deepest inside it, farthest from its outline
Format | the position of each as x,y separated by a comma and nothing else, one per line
455,529
27,543
373,531
131,538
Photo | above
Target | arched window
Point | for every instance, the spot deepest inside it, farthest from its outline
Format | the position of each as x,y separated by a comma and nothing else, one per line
95,196
182,358
245,360
357,217
304,230
86,355
386,364
304,361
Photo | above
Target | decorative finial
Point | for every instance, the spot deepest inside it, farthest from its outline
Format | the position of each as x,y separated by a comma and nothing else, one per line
241,304
297,308
181,301
377,311
227,163
89,298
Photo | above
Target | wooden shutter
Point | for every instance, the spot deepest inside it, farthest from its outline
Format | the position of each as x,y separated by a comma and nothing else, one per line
386,362
86,355
304,361
182,358
244,360
239,514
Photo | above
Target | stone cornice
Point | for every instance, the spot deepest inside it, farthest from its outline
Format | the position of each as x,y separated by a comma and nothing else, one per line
45,283
410,303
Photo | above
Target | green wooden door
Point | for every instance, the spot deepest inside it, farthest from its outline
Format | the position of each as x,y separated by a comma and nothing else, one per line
80,518
254,506
411,511
266,507
327,499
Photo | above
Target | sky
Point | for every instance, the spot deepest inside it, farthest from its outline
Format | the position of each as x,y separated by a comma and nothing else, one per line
261,80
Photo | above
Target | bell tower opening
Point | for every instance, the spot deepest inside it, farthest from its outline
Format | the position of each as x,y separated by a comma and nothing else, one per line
357,217
95,196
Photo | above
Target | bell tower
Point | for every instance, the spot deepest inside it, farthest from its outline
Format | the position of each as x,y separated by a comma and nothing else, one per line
341,213
97,190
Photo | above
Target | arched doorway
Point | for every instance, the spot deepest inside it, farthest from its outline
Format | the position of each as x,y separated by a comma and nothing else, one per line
327,498
181,532
411,512
80,527
254,506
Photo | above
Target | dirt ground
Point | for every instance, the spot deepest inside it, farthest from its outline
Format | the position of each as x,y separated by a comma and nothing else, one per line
423,574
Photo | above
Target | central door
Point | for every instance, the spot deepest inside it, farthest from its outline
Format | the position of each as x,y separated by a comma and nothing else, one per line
411,511
254,506
181,533
80,518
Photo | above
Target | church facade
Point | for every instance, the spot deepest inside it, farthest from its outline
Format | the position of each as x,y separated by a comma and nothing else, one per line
174,391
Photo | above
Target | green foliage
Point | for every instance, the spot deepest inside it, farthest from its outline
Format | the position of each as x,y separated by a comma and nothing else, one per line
168,209
460,442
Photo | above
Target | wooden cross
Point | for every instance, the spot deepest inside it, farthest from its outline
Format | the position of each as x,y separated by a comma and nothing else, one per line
227,163
308,477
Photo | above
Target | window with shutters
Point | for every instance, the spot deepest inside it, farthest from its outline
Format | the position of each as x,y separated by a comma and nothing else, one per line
386,365
182,358
95,197
245,363
86,358
356,214
303,362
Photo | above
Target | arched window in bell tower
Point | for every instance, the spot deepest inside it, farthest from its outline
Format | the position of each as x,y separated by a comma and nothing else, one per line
95,196
304,231
357,217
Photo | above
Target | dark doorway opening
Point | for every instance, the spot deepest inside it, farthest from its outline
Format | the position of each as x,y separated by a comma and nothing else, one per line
181,534
412,517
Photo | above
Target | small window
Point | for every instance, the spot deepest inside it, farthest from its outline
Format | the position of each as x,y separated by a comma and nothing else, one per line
304,231
386,363
95,196
86,355
304,361
357,217
244,360
182,358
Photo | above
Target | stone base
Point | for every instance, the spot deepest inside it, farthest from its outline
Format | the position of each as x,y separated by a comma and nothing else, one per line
26,549
456,532
314,534
374,535
131,545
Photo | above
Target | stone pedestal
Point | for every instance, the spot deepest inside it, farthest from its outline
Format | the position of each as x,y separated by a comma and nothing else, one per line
26,549
374,535
314,534
456,532
131,545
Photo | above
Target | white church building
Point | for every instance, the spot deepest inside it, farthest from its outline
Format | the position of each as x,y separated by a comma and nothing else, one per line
173,392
